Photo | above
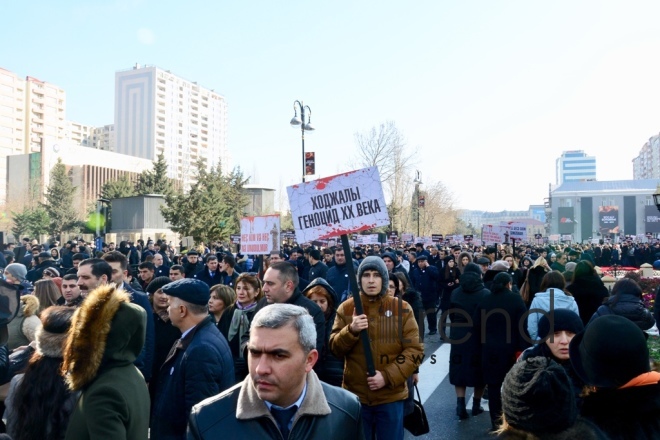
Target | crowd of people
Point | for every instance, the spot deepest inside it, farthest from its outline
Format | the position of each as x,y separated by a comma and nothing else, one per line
141,341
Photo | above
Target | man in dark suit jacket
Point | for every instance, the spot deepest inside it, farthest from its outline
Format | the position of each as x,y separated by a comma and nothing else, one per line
211,274
200,364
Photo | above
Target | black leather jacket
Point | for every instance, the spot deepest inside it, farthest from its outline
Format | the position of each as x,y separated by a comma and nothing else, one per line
327,412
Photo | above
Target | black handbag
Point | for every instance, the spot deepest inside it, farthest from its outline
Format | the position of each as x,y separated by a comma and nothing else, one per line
416,422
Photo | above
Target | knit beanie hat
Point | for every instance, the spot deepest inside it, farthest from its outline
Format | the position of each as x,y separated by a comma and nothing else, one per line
157,283
16,270
561,319
472,267
52,272
50,336
377,264
610,352
537,397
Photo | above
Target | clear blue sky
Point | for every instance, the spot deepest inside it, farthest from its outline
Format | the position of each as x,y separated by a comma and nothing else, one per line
490,92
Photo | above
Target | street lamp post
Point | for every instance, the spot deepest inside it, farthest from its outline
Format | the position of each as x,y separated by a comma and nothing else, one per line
304,126
656,197
417,182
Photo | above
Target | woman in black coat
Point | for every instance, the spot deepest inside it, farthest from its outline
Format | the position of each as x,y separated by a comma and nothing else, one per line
450,282
626,301
412,297
587,289
329,368
496,322
464,357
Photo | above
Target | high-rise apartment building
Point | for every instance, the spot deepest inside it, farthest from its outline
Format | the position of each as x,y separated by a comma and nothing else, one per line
158,112
575,165
30,110
647,164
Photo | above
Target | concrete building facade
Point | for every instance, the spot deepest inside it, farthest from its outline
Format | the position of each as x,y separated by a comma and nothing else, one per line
647,164
158,112
575,165
29,174
588,210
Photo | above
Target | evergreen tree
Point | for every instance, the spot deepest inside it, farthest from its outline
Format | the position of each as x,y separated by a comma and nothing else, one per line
59,201
212,209
155,181
115,189
30,222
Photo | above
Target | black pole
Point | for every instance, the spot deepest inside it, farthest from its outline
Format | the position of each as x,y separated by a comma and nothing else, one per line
513,241
302,133
364,335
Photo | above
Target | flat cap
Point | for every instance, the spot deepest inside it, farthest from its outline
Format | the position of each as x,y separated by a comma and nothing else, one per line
190,290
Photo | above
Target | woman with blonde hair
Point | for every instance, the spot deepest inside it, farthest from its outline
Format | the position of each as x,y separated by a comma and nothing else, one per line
47,293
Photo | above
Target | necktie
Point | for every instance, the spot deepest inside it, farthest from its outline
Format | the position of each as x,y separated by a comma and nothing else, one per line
177,345
283,417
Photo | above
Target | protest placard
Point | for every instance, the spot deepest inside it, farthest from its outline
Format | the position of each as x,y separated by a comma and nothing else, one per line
517,231
491,234
336,205
260,235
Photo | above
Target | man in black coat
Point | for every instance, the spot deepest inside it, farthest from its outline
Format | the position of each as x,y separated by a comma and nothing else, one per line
281,286
317,268
191,264
280,391
337,275
426,280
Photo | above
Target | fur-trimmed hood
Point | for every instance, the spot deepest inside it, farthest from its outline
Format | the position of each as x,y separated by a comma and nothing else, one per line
107,331
29,305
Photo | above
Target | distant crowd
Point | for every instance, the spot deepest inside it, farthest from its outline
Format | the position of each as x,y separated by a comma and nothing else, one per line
139,340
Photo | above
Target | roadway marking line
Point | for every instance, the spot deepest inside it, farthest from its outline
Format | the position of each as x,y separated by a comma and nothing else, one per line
432,375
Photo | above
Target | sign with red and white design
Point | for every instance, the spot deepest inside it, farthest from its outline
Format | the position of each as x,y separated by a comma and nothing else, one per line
260,235
491,234
336,205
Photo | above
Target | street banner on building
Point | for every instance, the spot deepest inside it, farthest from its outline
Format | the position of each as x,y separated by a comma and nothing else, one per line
608,219
566,220
260,235
652,219
337,205
310,163
491,234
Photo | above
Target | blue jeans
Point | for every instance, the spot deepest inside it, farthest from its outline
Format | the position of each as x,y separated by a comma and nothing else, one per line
385,420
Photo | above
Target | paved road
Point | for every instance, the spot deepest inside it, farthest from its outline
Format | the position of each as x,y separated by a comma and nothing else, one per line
439,399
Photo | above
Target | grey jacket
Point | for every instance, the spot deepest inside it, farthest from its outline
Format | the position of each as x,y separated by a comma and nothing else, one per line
327,412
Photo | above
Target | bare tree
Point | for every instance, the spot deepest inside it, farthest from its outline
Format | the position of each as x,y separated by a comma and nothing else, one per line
385,147
438,216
